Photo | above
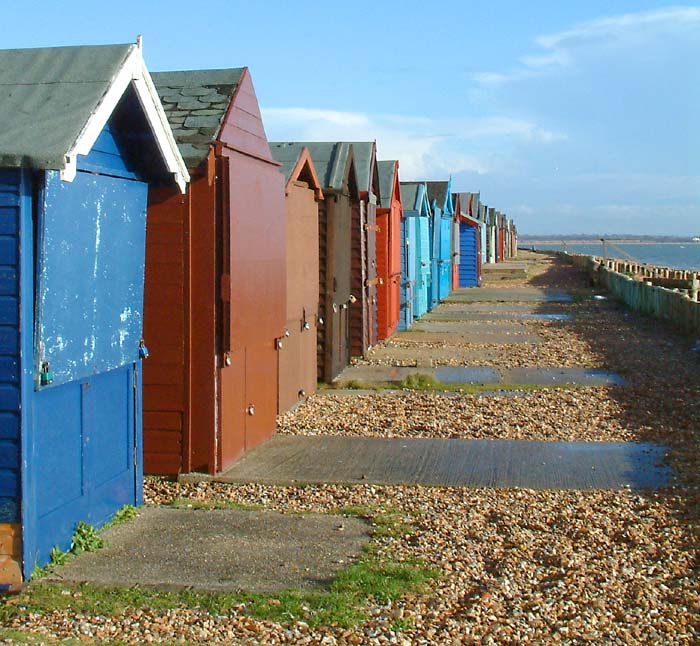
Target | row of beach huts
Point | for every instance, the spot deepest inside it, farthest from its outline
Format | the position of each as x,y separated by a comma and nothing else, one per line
147,217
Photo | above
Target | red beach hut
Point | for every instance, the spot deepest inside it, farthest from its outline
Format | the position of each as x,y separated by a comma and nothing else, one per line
215,305
389,216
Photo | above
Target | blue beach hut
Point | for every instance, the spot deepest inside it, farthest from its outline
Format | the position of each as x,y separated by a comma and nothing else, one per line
414,196
469,273
83,136
440,198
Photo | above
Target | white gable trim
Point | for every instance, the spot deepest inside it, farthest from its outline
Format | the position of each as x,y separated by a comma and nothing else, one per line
133,70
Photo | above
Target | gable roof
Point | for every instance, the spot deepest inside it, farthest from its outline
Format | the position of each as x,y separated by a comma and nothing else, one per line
440,193
293,161
414,196
330,159
196,102
363,154
55,101
387,176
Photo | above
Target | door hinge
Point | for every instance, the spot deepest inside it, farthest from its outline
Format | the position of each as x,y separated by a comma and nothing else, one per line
136,379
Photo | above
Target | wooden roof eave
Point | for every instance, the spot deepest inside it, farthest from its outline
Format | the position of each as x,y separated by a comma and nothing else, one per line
133,71
305,161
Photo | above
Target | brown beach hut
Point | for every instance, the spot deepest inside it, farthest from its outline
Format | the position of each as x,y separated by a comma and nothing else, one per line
215,280
389,215
297,357
363,311
335,166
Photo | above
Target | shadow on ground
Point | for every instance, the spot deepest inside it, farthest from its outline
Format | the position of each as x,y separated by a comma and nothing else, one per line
662,395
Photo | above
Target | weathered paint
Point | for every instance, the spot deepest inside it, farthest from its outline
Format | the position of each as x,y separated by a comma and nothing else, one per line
212,392
423,267
297,357
81,435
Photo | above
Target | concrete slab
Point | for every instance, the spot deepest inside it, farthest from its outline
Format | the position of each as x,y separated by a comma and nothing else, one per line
463,315
467,375
468,327
413,354
561,376
285,460
479,338
222,550
506,294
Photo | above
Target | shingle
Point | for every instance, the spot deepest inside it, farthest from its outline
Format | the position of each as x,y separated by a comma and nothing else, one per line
47,95
202,97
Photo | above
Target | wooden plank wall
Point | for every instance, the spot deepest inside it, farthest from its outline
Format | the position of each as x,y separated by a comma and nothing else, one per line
10,493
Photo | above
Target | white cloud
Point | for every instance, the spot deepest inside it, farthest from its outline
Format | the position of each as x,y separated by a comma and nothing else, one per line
559,49
427,148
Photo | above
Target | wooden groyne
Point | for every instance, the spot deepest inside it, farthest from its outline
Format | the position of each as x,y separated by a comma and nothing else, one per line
665,293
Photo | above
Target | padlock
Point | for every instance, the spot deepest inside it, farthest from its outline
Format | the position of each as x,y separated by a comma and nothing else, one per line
143,350
46,376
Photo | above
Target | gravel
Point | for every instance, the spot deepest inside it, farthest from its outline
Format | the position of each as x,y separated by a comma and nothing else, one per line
518,566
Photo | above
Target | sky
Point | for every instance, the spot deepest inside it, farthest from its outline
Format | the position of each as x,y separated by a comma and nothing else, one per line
570,117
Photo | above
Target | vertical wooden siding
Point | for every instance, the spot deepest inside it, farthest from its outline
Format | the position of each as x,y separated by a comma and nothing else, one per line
10,528
165,323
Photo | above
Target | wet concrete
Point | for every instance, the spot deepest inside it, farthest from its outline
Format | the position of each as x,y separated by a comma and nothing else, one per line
297,460
222,550
465,315
508,294
561,376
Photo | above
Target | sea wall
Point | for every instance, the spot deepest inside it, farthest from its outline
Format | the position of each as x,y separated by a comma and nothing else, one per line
638,291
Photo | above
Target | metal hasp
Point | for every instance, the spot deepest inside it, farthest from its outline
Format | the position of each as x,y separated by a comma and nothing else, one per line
88,136
469,268
335,166
215,280
414,197
303,194
390,249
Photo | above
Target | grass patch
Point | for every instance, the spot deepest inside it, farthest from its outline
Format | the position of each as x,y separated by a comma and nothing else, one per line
357,384
420,381
187,503
375,576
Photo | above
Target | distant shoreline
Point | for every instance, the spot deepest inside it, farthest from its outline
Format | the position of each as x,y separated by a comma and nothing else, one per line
608,241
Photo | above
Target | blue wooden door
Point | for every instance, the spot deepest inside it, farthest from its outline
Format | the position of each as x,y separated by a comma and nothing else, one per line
468,261
85,432
445,257
412,249
434,259
423,267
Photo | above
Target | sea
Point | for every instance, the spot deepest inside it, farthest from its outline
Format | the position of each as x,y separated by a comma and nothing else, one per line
676,255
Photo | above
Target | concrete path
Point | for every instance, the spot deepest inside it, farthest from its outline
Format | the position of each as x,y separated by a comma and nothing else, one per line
287,460
466,315
508,294
221,550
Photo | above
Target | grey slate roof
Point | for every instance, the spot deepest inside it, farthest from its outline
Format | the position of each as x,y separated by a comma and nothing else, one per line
287,155
362,152
409,195
437,191
387,172
330,159
47,95
196,102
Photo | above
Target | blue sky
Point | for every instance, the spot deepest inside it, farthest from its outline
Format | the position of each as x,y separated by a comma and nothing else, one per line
570,117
